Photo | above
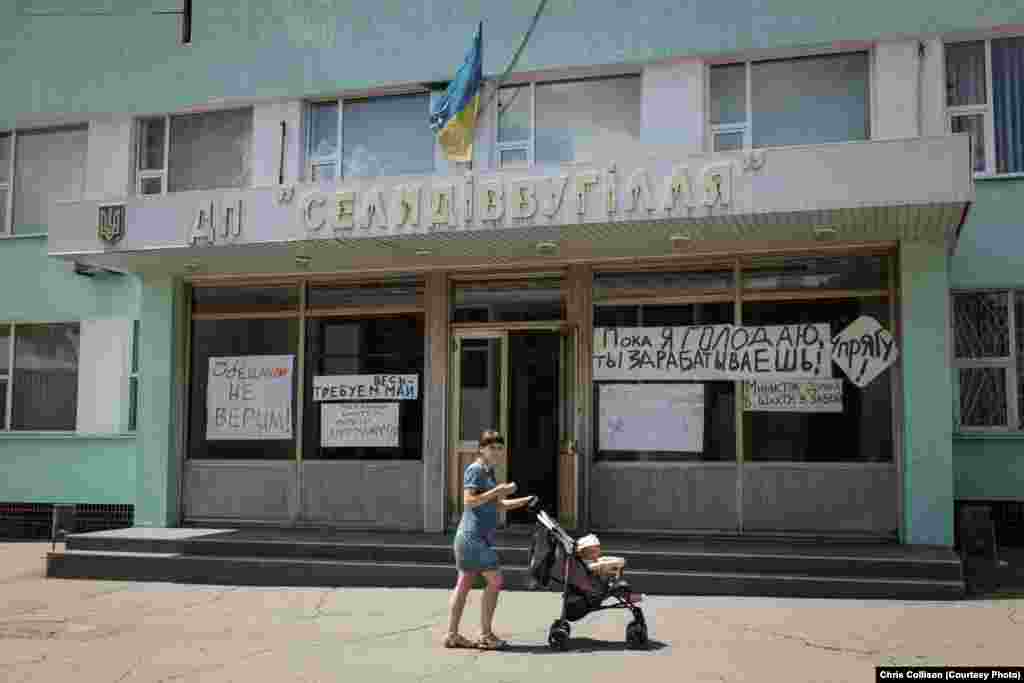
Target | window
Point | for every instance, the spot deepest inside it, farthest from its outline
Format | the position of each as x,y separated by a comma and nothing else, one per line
382,136
366,346
133,380
185,152
534,300
6,171
37,168
803,101
559,122
985,98
988,359
39,376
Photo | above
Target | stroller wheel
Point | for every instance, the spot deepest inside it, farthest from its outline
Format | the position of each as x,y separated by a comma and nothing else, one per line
636,634
558,635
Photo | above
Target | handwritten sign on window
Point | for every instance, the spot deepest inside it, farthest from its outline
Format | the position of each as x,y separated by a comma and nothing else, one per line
365,387
350,425
249,397
864,350
713,352
784,396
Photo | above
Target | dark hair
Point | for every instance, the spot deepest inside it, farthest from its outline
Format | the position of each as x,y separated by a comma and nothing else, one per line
491,437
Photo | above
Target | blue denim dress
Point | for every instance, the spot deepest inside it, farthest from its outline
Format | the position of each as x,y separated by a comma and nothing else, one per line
475,537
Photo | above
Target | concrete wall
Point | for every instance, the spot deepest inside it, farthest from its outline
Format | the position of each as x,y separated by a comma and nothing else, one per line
129,60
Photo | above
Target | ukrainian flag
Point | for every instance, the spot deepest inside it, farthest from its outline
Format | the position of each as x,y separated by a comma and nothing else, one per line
454,115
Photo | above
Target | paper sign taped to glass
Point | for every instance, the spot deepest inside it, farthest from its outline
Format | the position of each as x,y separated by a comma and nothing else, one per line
864,350
651,417
353,425
249,398
785,396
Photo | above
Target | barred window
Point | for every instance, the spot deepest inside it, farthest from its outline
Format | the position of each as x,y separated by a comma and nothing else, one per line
988,359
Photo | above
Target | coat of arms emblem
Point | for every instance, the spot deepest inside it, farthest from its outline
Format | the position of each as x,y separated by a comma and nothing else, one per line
110,228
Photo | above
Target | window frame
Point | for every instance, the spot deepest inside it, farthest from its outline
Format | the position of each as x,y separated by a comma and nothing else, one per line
8,375
6,423
1014,420
747,126
985,110
133,379
529,145
716,129
309,160
7,224
142,175
164,173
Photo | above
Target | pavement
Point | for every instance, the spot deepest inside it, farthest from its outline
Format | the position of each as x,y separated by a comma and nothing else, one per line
66,630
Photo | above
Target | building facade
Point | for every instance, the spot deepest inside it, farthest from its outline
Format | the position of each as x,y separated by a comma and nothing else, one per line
735,272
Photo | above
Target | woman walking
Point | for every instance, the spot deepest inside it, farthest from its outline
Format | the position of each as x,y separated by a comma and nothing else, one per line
474,542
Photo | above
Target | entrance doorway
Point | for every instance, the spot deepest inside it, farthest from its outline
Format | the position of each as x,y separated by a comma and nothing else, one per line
514,381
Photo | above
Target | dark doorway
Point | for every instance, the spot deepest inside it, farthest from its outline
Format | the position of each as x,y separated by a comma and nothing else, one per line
534,359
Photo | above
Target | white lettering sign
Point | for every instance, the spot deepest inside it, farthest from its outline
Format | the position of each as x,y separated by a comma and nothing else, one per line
249,397
809,396
365,387
351,425
864,350
589,194
217,222
712,352
651,417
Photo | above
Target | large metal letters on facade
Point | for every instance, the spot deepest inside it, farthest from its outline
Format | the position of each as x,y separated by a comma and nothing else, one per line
494,201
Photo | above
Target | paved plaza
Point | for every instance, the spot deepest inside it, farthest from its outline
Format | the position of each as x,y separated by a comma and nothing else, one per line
58,630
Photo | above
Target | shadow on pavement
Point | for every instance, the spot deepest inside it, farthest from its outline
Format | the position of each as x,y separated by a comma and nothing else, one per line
586,645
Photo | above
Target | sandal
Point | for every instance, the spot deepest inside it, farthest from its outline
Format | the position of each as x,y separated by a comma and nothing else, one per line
457,640
489,641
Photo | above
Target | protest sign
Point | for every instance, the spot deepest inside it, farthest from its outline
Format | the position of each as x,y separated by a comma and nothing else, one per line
350,425
864,350
712,352
804,396
365,387
249,397
651,417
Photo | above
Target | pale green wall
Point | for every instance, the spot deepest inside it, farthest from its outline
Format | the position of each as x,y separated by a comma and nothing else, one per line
49,469
989,467
990,253
129,61
42,468
34,286
927,392
158,458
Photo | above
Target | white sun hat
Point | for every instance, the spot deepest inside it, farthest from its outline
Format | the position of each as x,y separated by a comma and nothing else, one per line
588,541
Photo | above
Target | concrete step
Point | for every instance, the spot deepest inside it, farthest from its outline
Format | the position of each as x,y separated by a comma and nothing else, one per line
797,561
277,571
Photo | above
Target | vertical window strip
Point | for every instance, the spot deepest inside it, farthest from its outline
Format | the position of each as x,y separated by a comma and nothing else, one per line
988,386
133,379
1007,74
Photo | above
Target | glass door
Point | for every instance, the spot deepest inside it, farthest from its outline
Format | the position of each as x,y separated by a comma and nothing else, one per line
479,402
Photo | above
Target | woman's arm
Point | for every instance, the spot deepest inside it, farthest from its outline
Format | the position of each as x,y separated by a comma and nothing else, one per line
515,503
472,500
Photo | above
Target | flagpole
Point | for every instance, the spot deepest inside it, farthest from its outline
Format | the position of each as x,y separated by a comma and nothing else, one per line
515,58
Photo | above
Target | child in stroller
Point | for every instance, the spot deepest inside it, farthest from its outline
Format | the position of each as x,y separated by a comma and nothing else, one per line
554,559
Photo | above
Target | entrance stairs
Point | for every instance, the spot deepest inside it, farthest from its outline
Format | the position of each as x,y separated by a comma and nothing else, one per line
656,565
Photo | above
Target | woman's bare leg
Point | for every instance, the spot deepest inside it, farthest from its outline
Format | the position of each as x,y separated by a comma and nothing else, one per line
458,600
490,600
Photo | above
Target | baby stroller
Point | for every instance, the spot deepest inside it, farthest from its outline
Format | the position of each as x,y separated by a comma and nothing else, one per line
553,560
